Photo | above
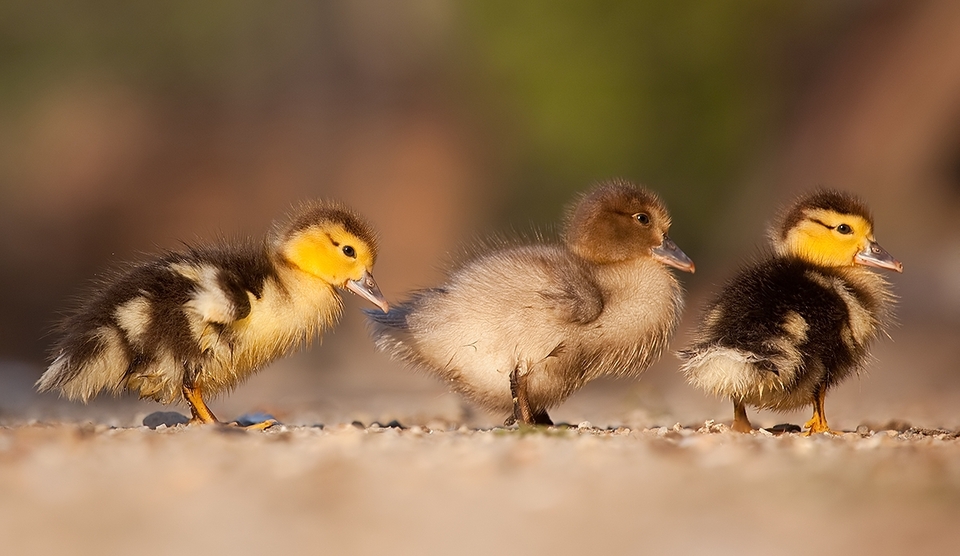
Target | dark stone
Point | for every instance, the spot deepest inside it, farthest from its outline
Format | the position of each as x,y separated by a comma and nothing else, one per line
168,418
783,428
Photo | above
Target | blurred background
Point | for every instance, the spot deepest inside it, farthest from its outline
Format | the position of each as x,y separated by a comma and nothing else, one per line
128,127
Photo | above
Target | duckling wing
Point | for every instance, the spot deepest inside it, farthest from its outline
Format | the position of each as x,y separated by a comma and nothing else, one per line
572,294
535,284
769,307
222,283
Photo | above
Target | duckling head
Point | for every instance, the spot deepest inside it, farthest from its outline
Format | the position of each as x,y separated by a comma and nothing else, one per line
330,242
833,229
618,221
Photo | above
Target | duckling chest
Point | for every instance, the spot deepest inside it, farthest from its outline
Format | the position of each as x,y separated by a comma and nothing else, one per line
304,310
641,311
860,303
641,299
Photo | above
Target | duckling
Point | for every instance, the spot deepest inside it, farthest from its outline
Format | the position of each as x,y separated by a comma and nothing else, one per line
785,330
519,328
196,323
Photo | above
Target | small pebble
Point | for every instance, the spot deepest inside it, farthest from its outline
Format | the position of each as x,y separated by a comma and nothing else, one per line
711,427
783,428
165,419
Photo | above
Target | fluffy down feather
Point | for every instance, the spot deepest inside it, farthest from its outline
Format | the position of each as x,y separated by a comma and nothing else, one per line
528,325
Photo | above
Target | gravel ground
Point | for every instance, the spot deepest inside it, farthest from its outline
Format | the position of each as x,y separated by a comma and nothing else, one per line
350,489
649,476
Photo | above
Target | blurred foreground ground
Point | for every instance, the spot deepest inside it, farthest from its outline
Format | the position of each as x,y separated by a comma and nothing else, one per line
343,489
638,478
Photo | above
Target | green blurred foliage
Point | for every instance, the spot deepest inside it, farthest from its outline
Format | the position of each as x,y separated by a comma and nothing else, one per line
680,95
688,97
196,46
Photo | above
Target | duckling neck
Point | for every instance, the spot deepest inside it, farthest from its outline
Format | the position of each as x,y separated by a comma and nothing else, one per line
310,301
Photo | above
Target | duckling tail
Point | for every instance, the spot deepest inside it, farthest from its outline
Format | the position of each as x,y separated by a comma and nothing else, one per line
396,317
726,372
87,366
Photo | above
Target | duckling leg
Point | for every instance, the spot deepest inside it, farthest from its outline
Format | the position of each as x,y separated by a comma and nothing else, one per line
818,423
740,421
201,413
521,403
522,412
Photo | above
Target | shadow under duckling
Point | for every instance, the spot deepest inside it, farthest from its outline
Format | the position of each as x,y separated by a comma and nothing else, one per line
197,323
518,329
784,331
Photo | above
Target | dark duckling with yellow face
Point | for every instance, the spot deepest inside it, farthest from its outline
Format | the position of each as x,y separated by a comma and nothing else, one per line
196,323
518,329
787,329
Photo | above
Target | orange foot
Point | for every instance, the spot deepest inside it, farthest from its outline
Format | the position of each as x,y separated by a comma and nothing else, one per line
818,423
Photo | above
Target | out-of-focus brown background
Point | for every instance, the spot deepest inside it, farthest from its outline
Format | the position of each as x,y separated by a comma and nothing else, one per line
128,127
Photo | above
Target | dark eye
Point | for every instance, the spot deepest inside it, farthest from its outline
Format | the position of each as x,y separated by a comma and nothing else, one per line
642,218
349,251
844,229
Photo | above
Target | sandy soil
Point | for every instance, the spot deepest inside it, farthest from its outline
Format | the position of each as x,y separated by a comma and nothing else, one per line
344,489
646,477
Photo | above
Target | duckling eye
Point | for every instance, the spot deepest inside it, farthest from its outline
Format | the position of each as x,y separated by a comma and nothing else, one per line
642,218
844,229
349,251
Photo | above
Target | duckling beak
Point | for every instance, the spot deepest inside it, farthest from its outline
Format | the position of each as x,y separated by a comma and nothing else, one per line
366,287
876,256
669,254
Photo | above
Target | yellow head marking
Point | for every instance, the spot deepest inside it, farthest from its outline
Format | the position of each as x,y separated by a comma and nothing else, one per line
827,238
328,251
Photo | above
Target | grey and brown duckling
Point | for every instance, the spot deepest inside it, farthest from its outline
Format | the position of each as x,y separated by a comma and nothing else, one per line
517,329
194,324
789,328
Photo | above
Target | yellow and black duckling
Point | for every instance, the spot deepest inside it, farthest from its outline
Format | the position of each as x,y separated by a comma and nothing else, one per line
196,323
517,329
784,331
